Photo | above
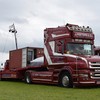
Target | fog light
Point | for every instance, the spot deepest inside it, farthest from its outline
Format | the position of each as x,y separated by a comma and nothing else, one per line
91,74
85,78
83,75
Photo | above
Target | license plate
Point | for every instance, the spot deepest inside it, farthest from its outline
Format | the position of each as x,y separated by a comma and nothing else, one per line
98,82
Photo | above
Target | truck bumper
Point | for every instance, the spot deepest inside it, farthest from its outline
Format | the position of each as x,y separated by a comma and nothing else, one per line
86,78
87,83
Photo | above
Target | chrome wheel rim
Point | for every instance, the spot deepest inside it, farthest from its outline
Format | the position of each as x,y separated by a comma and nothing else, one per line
27,79
65,81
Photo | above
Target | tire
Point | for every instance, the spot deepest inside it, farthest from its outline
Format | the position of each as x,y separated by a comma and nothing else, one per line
0,79
28,78
65,80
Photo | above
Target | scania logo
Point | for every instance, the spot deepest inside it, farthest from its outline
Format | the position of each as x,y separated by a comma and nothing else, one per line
97,70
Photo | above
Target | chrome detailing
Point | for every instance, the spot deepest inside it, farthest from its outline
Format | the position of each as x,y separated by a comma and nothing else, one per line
97,70
27,79
96,67
39,79
87,82
97,74
95,77
65,81
94,64
84,75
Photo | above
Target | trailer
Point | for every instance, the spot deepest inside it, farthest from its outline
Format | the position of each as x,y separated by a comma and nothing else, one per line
19,62
67,59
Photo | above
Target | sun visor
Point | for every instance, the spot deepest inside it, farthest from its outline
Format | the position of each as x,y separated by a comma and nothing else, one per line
83,35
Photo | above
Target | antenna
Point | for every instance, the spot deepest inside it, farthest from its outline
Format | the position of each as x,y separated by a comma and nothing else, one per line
13,30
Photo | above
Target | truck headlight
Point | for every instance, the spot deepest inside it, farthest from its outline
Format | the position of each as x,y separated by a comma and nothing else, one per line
83,75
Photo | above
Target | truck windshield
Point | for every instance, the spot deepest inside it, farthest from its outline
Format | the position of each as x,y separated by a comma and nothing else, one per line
83,49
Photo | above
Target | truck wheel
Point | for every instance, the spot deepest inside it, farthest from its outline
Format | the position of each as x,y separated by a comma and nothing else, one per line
66,80
28,78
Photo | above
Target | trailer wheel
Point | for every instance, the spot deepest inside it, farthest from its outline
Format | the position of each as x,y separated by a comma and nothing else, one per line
28,78
65,80
0,79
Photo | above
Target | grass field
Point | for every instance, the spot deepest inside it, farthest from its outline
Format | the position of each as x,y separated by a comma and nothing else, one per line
21,91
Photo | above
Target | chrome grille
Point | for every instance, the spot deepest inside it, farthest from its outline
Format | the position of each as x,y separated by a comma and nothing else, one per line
96,67
95,75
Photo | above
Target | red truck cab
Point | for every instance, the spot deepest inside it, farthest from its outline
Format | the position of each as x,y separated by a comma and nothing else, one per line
69,57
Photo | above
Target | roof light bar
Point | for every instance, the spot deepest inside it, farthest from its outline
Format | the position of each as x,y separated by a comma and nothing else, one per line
79,28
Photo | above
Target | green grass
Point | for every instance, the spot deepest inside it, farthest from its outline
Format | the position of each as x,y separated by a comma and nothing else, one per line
22,91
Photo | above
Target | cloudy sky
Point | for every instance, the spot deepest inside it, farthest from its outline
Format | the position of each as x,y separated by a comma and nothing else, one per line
31,17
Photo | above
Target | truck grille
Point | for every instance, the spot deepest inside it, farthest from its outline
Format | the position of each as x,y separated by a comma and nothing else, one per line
95,75
96,67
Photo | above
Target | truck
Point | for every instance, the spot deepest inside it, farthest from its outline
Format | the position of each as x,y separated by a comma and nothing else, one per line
67,59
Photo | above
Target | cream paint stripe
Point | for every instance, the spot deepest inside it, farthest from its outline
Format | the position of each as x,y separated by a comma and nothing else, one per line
54,35
52,45
39,79
69,55
47,55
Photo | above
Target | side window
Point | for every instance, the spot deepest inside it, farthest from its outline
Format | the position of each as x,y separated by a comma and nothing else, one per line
30,56
59,46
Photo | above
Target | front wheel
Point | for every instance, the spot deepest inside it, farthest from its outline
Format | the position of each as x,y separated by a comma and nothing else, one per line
65,80
28,78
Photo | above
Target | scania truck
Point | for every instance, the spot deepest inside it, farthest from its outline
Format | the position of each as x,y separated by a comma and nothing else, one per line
67,59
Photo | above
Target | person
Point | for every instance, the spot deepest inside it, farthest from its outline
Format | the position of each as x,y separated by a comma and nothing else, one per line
79,49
